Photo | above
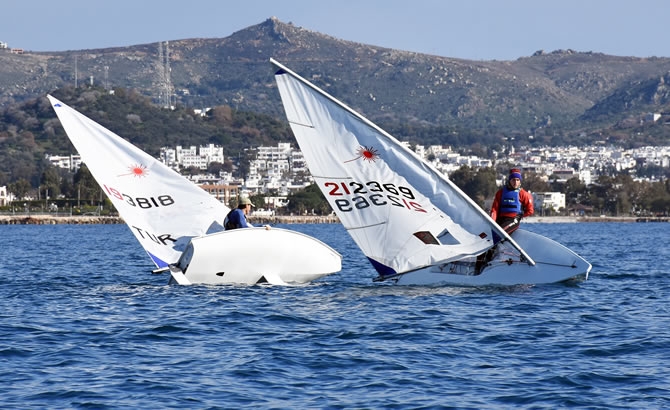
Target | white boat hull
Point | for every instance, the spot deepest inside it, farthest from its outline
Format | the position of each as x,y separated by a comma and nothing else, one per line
255,255
553,263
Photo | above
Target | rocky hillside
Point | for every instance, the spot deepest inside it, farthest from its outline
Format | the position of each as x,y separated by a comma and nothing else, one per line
575,92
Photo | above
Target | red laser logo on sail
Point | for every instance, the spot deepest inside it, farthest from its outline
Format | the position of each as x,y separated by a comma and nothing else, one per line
137,170
367,153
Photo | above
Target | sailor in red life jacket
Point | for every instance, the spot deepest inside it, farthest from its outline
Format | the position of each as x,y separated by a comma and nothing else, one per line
511,203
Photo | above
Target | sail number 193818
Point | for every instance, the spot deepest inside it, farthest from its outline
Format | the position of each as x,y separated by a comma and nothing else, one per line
142,202
358,195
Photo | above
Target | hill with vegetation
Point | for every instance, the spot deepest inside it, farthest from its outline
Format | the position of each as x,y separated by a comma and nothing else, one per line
558,97
29,131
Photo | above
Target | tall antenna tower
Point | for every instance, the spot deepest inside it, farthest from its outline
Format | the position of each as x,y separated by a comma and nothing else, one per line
163,81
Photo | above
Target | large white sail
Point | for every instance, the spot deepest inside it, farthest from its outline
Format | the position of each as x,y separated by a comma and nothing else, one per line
402,213
162,208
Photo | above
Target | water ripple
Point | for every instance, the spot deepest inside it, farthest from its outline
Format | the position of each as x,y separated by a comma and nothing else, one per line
84,324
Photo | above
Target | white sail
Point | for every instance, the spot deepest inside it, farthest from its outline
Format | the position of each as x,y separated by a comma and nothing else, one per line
163,209
402,213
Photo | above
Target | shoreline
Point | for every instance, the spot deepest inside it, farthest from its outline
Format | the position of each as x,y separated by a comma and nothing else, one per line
50,219
580,219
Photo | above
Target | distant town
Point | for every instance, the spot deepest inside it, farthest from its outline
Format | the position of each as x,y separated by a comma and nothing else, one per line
278,171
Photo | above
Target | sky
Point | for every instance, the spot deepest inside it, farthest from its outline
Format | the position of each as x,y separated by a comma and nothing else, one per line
468,29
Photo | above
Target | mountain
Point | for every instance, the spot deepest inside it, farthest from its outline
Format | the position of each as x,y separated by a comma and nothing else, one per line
563,91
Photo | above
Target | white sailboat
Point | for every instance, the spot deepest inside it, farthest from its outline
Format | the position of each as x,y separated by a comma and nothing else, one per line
180,225
414,225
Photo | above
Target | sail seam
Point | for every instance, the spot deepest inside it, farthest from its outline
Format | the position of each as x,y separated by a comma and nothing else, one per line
324,177
364,226
301,124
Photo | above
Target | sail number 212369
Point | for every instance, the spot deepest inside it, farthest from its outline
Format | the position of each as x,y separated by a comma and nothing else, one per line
356,195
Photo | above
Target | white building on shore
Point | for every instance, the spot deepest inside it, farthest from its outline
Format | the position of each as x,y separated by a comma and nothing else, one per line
543,201
69,162
281,169
5,197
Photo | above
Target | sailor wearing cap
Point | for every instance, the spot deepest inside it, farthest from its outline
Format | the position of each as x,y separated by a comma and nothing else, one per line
237,218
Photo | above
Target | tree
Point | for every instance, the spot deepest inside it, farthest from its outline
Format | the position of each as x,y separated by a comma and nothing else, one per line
479,185
221,114
483,185
660,205
575,191
532,182
87,187
192,170
215,167
307,200
623,205
258,200
656,198
51,181
19,188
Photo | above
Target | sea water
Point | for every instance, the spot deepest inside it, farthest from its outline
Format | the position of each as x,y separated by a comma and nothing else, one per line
83,323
